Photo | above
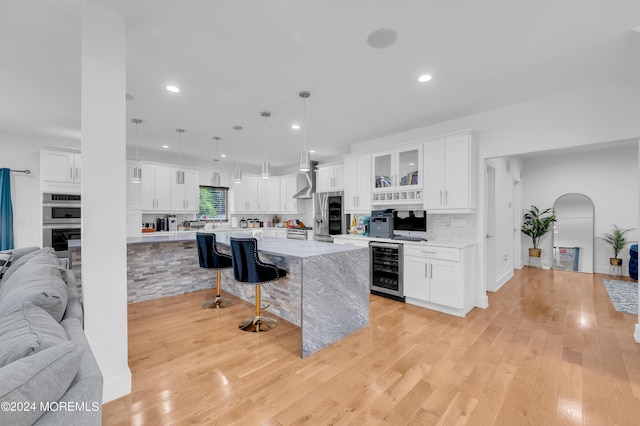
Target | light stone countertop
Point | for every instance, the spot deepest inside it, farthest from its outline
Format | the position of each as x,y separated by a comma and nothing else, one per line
432,243
275,246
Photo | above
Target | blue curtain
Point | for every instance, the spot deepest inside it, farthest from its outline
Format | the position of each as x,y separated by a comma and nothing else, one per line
6,211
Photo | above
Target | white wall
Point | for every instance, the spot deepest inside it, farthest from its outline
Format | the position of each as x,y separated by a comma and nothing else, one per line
609,177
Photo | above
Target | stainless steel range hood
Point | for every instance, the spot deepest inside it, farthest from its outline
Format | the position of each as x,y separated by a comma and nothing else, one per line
310,182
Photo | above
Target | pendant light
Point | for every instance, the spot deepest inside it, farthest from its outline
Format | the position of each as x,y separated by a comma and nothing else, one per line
266,174
215,178
237,177
305,157
180,172
137,170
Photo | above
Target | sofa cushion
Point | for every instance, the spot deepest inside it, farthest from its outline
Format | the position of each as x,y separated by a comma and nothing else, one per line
39,380
22,256
37,282
5,261
25,330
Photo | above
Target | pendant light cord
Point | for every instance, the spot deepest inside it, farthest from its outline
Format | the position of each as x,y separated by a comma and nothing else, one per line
304,129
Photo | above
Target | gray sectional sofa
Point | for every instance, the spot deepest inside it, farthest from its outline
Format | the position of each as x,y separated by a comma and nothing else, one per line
48,374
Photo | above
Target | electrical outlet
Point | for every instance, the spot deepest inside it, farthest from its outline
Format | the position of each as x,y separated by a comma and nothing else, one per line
458,223
505,258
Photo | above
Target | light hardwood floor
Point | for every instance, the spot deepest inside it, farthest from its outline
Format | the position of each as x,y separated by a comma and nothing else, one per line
550,349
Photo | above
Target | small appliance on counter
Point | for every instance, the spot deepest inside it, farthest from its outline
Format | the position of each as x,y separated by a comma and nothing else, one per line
161,224
381,224
173,223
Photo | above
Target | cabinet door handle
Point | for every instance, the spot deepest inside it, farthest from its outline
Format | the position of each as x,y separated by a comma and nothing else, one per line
440,197
426,266
358,200
445,196
431,276
429,252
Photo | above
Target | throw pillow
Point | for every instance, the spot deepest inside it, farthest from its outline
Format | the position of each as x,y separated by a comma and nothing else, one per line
38,283
38,379
5,261
44,254
26,330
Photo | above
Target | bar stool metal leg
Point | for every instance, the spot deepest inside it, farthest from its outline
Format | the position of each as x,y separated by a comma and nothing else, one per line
218,302
259,323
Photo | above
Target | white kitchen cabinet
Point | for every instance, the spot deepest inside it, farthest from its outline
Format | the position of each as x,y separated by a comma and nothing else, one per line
60,166
246,195
185,197
288,188
400,168
330,177
440,278
397,176
357,184
60,170
156,187
269,194
451,174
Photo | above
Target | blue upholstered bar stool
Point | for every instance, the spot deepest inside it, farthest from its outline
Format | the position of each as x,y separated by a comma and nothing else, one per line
248,268
211,258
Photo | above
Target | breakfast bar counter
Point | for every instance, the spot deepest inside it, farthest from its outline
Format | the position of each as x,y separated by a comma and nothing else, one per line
325,292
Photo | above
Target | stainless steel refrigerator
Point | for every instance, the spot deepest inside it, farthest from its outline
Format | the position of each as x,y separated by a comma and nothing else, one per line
328,215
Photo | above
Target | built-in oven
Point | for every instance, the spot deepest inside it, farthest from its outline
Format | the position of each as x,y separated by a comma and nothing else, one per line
61,208
57,236
386,270
61,221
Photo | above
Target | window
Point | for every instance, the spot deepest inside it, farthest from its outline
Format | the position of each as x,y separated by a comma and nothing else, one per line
213,203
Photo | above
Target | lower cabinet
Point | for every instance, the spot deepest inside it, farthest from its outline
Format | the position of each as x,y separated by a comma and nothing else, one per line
440,278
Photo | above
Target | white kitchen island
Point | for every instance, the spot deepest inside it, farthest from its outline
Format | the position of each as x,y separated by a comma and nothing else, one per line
325,293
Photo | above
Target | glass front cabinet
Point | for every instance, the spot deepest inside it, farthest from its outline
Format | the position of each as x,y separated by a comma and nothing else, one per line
397,175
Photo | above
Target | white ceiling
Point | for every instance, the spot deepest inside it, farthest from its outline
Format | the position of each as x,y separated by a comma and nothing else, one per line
234,59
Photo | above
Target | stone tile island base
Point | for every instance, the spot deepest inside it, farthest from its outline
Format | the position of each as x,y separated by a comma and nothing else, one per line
326,295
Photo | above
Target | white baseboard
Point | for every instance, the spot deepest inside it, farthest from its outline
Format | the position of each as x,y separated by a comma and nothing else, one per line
636,335
503,279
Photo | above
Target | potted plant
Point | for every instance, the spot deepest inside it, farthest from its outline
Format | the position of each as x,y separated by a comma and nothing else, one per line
617,242
535,225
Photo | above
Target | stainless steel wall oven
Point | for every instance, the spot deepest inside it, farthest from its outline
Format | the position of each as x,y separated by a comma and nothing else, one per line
386,270
61,221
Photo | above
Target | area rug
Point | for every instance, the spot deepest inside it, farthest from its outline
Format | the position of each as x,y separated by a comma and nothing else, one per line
624,295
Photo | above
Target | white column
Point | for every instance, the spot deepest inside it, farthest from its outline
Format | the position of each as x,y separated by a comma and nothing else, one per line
104,249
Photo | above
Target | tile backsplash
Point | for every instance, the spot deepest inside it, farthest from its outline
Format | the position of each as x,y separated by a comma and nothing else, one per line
451,227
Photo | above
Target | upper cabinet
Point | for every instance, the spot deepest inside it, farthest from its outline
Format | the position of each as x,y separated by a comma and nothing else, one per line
357,184
451,173
159,192
269,194
288,188
61,170
397,175
155,187
330,177
186,196
246,195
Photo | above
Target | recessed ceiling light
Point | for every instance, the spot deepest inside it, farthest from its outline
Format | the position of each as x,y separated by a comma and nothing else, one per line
173,89
412,164
223,155
312,151
165,146
424,78
295,126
